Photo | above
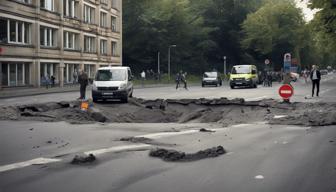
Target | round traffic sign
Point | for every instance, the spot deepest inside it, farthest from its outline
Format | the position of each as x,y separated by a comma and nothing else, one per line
267,61
286,91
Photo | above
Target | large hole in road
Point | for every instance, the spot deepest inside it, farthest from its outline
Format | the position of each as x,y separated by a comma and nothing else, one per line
222,110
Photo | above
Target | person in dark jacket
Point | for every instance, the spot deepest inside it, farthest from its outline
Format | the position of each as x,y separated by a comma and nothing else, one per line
315,76
83,82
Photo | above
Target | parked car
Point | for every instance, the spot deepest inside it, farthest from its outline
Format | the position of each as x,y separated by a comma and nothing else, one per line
244,75
324,72
112,83
211,78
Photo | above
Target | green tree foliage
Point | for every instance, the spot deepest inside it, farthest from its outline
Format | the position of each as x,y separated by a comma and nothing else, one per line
203,30
275,29
245,31
324,28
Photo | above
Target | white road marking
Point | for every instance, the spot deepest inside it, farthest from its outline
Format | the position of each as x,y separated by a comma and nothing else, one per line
241,125
256,98
119,149
38,161
167,134
259,177
279,116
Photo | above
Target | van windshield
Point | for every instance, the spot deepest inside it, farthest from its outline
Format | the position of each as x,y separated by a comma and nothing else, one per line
111,75
241,70
210,75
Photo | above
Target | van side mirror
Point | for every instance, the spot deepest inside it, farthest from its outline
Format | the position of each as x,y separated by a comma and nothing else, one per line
130,78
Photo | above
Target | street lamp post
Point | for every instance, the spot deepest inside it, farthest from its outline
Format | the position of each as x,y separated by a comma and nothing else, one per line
170,46
224,65
158,72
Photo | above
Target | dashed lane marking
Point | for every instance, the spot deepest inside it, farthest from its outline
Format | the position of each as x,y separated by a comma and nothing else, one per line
119,149
38,161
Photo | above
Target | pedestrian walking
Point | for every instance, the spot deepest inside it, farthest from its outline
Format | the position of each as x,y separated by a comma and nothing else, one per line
52,81
178,80
47,81
75,76
315,76
83,82
184,80
143,78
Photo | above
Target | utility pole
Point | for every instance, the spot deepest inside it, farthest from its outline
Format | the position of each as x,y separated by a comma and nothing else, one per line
170,46
158,71
224,65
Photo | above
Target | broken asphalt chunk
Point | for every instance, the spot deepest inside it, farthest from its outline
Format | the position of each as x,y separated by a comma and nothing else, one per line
177,156
83,159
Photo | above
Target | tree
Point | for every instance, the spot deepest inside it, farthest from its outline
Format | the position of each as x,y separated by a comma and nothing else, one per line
276,28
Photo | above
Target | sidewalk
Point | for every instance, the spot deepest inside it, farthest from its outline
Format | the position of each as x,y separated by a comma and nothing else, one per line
31,91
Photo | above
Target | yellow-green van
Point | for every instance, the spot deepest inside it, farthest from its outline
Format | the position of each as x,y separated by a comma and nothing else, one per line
244,75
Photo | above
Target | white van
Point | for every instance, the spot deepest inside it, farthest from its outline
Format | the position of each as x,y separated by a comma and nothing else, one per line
112,83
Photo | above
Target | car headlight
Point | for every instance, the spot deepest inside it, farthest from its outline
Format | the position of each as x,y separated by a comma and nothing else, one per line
94,87
248,79
123,86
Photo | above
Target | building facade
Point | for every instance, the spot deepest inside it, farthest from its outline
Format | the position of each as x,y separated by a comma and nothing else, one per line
44,39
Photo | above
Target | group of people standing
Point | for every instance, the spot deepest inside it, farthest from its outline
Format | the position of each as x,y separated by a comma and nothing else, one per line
181,77
48,81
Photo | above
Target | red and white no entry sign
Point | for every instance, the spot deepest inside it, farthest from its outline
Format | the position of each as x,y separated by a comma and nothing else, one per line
286,91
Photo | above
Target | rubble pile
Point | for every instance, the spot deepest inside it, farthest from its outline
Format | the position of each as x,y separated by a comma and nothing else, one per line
177,156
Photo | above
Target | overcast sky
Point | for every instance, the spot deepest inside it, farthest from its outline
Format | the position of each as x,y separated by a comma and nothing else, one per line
309,14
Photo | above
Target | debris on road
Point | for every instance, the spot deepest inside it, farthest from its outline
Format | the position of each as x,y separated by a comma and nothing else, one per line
82,159
176,156
206,130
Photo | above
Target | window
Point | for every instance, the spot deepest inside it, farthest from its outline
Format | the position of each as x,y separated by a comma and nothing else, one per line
3,31
70,40
89,13
15,74
47,37
103,19
25,1
47,4
103,47
114,48
69,8
18,32
114,23
90,70
89,44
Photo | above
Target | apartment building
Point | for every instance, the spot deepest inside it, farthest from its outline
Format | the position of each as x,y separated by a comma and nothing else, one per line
40,39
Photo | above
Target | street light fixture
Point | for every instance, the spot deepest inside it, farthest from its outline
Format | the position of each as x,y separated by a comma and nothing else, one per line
170,46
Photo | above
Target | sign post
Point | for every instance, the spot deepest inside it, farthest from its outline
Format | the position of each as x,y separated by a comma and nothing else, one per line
286,92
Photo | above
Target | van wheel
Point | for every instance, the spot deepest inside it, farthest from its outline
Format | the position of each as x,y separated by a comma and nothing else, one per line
232,87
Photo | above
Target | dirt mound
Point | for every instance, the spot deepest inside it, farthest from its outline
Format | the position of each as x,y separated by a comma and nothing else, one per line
177,156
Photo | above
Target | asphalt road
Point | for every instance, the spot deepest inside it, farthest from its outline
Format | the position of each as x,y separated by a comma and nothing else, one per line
260,158
302,93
